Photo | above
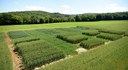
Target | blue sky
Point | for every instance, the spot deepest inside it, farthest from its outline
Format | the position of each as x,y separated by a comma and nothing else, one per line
65,6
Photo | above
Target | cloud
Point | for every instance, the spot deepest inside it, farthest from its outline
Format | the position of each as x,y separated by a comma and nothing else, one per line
32,7
114,7
66,6
66,9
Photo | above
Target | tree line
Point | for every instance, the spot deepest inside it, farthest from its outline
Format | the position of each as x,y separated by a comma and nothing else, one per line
41,17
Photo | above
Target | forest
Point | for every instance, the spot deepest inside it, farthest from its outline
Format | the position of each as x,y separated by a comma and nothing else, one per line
42,17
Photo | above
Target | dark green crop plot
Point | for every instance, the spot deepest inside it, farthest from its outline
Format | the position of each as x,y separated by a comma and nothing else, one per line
36,53
126,34
49,31
17,34
111,31
92,42
72,38
109,36
91,32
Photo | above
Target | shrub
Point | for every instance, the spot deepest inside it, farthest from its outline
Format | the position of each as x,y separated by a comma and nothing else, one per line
92,42
91,32
39,52
109,36
17,34
72,38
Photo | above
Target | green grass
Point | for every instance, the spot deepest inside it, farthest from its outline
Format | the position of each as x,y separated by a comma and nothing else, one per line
121,25
112,56
5,56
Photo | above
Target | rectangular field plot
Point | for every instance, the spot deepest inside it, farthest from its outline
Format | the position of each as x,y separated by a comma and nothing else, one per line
49,31
17,34
72,38
111,31
37,53
92,42
109,36
91,32
126,34
24,39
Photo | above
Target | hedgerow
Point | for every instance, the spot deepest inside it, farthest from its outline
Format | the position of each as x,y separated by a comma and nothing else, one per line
36,53
92,42
72,38
17,34
109,36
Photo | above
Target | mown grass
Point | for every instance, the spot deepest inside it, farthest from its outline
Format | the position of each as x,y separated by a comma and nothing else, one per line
5,55
121,25
112,56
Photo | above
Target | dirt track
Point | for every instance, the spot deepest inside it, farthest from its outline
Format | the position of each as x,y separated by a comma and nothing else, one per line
15,59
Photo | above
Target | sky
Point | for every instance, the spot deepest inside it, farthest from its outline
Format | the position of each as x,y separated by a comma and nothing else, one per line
65,6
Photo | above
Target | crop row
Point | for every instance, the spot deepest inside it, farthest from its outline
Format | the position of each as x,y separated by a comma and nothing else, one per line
72,38
92,42
109,36
17,34
36,53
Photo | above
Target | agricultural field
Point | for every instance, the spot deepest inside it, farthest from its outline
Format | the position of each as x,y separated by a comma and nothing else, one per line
37,45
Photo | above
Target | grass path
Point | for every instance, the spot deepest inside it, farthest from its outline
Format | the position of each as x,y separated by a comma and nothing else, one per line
121,24
15,59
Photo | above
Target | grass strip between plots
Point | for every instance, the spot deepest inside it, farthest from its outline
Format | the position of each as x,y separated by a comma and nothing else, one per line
5,55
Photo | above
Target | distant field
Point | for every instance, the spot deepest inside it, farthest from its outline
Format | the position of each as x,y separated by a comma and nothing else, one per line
40,44
121,25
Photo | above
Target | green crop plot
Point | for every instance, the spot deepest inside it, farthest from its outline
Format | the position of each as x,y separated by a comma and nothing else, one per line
92,42
50,42
112,31
109,36
72,38
112,56
36,53
91,32
17,34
